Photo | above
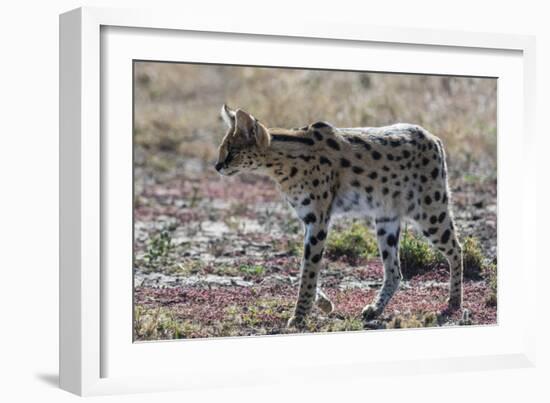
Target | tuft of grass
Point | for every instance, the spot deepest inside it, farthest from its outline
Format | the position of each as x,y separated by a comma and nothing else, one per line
353,243
344,325
416,255
159,323
473,258
252,270
294,247
159,247
186,268
265,315
427,319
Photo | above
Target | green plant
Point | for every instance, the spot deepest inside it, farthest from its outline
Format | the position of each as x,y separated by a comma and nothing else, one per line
353,243
416,255
294,247
472,257
159,247
252,270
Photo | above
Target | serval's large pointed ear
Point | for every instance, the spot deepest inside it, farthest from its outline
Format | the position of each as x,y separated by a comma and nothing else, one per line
250,130
228,116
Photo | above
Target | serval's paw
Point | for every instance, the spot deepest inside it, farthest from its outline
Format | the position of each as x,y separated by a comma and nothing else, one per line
370,312
325,305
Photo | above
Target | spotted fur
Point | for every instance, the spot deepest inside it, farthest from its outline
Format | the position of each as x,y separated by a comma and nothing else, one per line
389,173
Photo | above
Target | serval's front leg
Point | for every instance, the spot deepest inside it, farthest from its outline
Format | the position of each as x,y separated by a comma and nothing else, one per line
314,245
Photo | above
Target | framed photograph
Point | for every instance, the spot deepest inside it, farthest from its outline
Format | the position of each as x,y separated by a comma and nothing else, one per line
237,198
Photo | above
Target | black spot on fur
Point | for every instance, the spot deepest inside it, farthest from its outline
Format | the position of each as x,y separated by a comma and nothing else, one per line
324,160
373,175
435,172
345,163
318,135
395,143
310,218
381,232
406,154
428,200
321,235
306,201
293,171
315,182
307,251
357,170
391,240
295,139
316,258
357,140
445,237
437,196
433,219
385,254
376,155
423,179
442,217
355,183
369,189
333,144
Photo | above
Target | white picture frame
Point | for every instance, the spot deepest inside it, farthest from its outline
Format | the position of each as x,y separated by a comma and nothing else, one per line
93,339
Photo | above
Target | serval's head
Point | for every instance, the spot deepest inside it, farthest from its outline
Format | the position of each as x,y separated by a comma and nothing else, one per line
244,142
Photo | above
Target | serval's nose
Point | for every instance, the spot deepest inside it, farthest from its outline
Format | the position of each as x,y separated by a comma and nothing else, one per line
219,166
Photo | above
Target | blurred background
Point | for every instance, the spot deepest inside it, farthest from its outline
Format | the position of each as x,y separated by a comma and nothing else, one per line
220,256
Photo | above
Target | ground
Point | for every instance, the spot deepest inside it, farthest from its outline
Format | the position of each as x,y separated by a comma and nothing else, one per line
220,256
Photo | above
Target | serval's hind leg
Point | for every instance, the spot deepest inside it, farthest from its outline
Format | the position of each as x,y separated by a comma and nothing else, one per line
438,226
387,231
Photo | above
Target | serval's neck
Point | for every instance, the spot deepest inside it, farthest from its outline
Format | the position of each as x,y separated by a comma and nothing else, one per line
288,150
